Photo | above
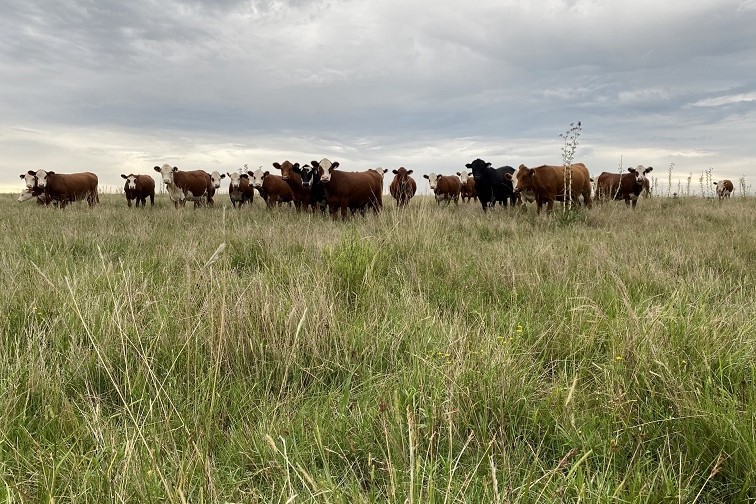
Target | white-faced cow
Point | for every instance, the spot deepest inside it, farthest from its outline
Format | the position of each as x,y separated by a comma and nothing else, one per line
444,187
139,188
547,183
355,191
272,188
403,187
468,191
622,186
192,185
31,190
724,188
239,189
67,188
215,183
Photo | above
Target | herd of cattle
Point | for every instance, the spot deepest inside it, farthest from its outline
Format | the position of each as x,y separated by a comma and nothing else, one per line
321,186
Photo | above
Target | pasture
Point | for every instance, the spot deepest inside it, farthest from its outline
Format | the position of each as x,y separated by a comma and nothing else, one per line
425,355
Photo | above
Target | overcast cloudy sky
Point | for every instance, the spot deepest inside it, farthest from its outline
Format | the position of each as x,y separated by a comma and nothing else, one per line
120,86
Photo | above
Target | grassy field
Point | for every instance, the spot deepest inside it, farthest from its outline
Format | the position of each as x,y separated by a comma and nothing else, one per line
430,355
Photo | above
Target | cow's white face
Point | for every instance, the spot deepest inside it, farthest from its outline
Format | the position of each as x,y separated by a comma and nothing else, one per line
234,180
640,174
380,171
130,181
463,174
256,177
216,178
166,171
41,177
326,167
25,195
432,180
30,180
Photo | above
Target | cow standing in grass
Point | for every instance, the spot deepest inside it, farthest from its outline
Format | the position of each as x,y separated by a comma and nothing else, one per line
182,185
239,189
290,174
272,188
444,187
547,183
138,188
65,188
403,187
493,184
623,186
355,191
468,191
724,188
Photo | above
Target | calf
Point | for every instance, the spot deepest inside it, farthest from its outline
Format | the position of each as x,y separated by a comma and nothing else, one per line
192,185
239,189
724,188
468,191
139,188
311,180
67,188
493,184
547,183
272,188
444,187
403,187
355,191
290,174
624,186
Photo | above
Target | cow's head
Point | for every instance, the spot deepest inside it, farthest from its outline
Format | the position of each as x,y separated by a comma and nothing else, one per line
479,168
41,177
325,167
215,179
166,171
310,175
523,179
379,171
287,169
402,173
256,177
463,174
432,180
640,174
30,180
234,180
130,181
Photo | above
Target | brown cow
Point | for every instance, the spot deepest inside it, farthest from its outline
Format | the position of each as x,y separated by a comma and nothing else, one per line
192,185
468,186
355,191
290,174
724,188
239,189
547,184
624,186
445,187
403,187
67,188
139,187
273,189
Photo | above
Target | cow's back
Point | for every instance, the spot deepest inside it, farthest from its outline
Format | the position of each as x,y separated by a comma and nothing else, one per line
353,189
196,182
72,186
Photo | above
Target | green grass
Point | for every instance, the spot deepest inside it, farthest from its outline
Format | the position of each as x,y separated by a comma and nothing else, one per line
430,355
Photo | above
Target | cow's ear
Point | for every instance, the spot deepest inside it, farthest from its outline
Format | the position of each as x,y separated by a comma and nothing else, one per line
632,170
124,176
459,174
223,175
468,165
426,177
488,165
244,175
175,169
650,168
438,176
229,175
715,183
51,173
409,172
395,172
385,170
32,173
265,174
335,164
314,164
157,168
276,165
22,175
295,166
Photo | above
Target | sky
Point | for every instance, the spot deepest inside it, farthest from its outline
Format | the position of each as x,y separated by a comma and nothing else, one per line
116,87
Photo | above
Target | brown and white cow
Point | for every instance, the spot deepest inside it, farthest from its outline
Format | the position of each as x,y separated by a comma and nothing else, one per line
468,186
547,184
181,185
215,183
66,188
139,188
272,188
31,190
445,187
622,186
403,187
239,189
355,191
291,175
724,188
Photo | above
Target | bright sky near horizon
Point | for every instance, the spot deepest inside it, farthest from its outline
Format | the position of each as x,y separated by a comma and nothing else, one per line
119,87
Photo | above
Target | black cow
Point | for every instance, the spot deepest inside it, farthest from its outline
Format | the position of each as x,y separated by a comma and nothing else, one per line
492,184
311,180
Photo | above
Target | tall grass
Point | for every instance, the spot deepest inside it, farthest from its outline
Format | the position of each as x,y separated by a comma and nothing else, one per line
426,355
